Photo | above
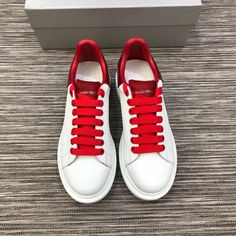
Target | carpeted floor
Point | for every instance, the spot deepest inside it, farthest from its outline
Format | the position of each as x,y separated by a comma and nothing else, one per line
200,91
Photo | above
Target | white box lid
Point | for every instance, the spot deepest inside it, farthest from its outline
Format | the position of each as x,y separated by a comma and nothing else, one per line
111,13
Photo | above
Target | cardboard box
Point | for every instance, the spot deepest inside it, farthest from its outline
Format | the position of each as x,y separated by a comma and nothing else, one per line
61,23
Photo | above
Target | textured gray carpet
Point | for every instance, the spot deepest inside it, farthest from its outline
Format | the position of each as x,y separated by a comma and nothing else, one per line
200,91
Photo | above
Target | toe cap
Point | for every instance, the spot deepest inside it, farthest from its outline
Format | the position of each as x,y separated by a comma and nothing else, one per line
86,175
150,173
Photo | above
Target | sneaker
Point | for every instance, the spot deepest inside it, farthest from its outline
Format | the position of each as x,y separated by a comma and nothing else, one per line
86,151
147,151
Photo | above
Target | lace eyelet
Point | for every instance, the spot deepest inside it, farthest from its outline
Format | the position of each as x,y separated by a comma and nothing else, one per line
125,89
71,90
102,103
71,151
130,121
102,151
132,149
101,92
161,119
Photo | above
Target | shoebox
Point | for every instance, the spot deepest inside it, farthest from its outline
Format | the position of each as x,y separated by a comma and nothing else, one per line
61,23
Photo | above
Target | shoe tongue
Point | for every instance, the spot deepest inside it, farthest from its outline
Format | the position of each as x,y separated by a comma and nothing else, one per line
142,88
87,88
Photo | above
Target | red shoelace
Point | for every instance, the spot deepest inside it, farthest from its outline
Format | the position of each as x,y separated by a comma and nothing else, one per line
85,111
148,123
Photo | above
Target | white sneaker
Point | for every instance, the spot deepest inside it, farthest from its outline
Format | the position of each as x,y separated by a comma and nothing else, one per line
86,151
147,152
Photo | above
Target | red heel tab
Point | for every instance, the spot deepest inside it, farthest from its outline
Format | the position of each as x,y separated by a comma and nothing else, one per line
88,50
136,48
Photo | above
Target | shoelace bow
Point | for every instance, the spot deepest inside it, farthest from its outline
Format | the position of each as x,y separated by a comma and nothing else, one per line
85,123
148,123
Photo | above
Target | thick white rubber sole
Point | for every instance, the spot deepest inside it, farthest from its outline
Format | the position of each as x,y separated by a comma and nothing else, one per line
93,198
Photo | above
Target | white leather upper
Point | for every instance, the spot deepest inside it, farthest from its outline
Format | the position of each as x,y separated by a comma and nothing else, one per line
149,172
86,174
106,158
127,126
65,138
